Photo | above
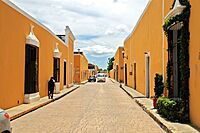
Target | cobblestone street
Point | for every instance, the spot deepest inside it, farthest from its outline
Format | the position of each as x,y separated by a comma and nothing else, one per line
94,107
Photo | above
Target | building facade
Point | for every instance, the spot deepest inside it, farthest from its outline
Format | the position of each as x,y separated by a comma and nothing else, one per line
146,51
111,74
30,55
81,72
118,65
93,69
143,50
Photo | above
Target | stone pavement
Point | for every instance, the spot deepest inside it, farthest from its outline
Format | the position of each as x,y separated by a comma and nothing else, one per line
147,105
93,108
23,109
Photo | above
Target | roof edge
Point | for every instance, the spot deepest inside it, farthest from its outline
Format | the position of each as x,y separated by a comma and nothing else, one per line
141,16
12,5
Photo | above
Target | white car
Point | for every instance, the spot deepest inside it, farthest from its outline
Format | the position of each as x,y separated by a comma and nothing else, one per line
101,77
4,122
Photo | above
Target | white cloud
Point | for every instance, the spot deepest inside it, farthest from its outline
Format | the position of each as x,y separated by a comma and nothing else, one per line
122,28
98,50
111,20
119,30
109,32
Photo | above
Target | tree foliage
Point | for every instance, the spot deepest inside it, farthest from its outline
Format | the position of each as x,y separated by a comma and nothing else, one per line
110,63
159,85
183,54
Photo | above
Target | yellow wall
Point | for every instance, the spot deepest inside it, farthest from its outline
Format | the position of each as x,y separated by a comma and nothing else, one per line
81,68
120,62
194,55
76,68
194,84
111,74
84,68
14,27
127,49
146,37
70,60
96,68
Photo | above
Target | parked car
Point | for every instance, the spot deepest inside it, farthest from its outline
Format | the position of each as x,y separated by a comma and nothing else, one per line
92,79
101,77
4,122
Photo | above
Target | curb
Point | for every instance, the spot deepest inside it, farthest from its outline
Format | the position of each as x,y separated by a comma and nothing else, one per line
65,93
127,92
112,80
164,127
84,82
40,105
29,110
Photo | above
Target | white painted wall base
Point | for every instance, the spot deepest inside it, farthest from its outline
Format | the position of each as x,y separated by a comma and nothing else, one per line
29,98
57,87
70,85
64,87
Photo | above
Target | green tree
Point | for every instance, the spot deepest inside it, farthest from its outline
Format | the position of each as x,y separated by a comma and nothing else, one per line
110,63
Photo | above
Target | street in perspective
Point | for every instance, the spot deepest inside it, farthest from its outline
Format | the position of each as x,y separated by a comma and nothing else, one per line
99,66
94,107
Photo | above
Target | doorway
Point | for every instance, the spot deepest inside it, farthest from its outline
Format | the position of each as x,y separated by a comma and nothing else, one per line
65,71
134,69
173,58
56,69
31,69
125,74
71,73
147,75
117,73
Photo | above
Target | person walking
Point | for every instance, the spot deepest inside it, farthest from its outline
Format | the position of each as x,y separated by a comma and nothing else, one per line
51,85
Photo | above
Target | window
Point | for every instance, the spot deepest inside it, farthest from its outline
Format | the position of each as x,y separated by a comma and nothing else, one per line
56,70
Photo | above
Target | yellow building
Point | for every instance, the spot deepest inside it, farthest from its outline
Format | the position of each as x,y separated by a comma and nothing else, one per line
93,69
111,74
30,55
143,52
146,52
118,65
81,73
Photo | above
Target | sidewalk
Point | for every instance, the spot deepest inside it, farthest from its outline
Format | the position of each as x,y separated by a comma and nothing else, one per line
147,106
84,82
23,109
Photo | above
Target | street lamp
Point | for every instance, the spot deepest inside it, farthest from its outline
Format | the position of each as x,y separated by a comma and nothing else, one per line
79,50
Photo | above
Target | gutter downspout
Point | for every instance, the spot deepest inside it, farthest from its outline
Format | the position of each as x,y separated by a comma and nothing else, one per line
163,41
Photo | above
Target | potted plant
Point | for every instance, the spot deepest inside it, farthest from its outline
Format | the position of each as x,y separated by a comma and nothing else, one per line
158,88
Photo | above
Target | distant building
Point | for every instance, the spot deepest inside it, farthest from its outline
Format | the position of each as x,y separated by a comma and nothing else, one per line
118,65
80,68
93,69
69,38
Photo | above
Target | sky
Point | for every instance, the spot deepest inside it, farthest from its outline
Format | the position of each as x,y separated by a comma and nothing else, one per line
99,26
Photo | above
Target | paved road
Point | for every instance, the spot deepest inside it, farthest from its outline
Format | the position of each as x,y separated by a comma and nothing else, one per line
93,108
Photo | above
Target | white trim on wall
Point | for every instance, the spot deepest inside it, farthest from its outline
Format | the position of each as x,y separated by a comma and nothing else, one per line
12,5
177,9
57,53
31,38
